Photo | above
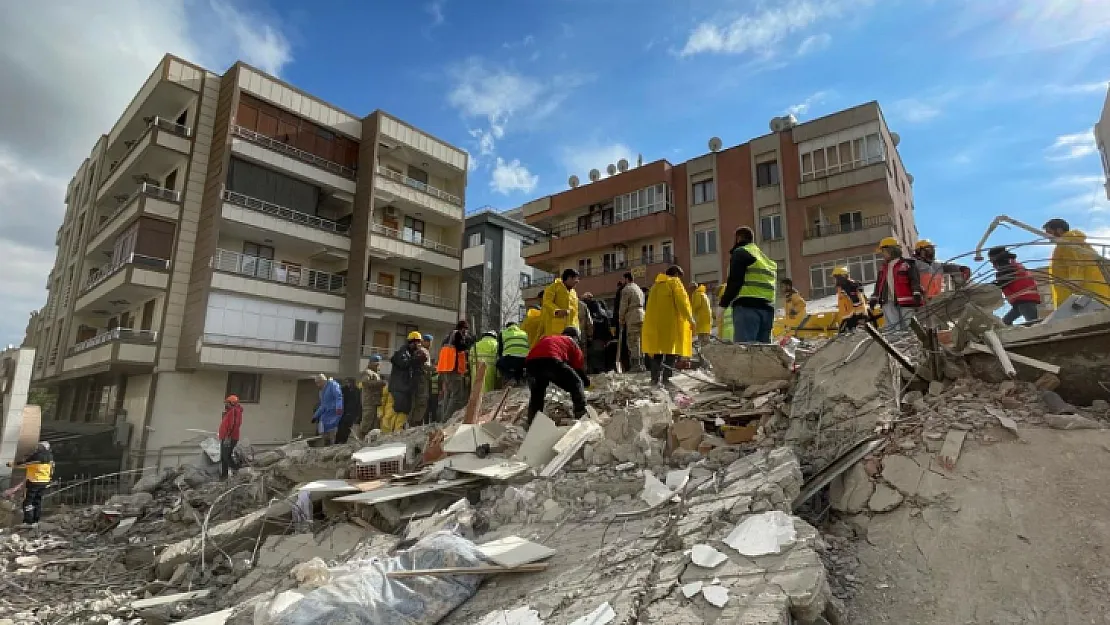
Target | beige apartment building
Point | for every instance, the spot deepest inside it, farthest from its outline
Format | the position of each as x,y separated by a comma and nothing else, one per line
231,234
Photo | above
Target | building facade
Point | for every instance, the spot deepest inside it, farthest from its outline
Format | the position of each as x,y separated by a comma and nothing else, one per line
494,273
817,194
232,234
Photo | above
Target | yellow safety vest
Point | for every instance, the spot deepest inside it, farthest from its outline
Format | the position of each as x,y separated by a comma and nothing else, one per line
486,350
514,341
759,279
40,472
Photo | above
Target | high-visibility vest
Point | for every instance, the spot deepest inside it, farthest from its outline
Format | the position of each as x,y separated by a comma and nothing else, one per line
759,278
451,360
931,276
39,472
486,350
514,341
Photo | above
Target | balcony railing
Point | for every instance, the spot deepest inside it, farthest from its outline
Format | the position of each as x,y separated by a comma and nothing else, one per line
297,153
265,269
397,176
370,350
145,190
641,261
100,275
115,334
383,290
828,230
298,347
154,122
288,214
415,239
607,218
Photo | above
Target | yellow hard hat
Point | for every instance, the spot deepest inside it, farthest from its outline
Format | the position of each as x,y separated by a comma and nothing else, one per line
415,336
840,271
923,243
889,242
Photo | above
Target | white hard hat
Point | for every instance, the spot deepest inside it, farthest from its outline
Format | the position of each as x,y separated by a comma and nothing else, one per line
44,444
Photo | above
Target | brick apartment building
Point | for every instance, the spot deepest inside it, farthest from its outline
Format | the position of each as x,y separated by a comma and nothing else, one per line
818,194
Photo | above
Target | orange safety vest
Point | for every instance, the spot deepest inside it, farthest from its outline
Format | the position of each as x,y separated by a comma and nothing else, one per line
451,360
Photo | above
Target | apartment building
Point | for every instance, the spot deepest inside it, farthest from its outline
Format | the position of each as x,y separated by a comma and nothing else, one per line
494,272
817,194
231,234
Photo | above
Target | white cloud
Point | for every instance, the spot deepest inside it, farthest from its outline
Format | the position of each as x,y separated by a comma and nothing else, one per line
511,176
1030,24
803,107
762,30
1084,88
1075,181
814,43
915,111
434,10
579,160
1070,146
523,43
47,127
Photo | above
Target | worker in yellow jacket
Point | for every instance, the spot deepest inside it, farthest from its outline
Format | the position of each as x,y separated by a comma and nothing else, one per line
560,304
703,312
1075,268
793,304
533,325
39,468
668,324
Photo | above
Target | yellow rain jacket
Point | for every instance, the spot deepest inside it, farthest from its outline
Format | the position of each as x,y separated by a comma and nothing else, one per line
795,309
533,326
667,318
558,297
703,311
1075,264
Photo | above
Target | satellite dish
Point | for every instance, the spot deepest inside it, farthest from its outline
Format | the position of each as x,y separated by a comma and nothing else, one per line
622,165
714,144
895,138
611,169
573,181
595,175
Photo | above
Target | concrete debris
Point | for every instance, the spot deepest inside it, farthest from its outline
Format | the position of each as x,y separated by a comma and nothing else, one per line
850,491
1071,422
717,595
762,534
691,589
655,492
523,615
950,451
884,499
706,556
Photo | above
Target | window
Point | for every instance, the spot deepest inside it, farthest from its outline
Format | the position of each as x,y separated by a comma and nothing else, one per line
863,269
838,157
305,331
258,260
474,240
705,242
609,262
410,284
851,222
418,175
584,265
270,186
525,280
247,386
583,223
770,227
667,250
148,316
266,119
646,201
767,174
704,192
171,181
414,231
647,254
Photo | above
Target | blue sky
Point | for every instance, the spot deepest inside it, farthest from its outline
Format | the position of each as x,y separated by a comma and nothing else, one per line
994,99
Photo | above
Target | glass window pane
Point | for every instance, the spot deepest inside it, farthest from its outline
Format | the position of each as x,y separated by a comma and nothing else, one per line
818,161
807,163
831,156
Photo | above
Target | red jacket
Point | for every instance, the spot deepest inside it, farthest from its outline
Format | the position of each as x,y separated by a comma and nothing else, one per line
229,424
558,347
907,283
1017,283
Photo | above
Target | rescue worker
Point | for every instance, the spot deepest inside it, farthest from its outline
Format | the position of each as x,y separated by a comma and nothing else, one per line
631,314
485,350
932,272
329,410
724,320
39,468
898,289
557,360
1017,285
668,324
230,422
352,409
533,325
406,365
1075,267
585,322
560,304
851,305
372,389
793,304
703,312
452,368
750,289
421,385
514,350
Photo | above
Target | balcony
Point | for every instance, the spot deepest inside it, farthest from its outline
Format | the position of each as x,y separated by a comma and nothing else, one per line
572,239
397,187
118,287
271,152
123,349
250,275
833,237
148,200
264,215
162,145
389,301
241,353
388,243
864,172
602,281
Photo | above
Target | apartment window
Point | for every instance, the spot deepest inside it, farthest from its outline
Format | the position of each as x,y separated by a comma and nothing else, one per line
862,269
258,260
851,222
705,242
525,280
266,119
414,230
610,261
647,254
246,386
305,331
474,240
584,266
770,227
583,223
645,201
171,181
418,175
265,184
842,156
704,192
147,321
767,174
667,250
410,284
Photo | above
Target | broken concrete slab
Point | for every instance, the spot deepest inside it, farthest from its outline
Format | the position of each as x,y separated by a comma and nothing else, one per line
536,449
1071,422
849,491
512,551
747,364
902,473
225,536
884,499
468,437
950,451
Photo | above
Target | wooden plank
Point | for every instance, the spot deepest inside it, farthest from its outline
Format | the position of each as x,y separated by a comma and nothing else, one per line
475,400
950,451
1018,358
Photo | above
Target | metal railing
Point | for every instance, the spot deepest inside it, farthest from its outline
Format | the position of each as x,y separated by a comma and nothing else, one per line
115,334
100,275
383,290
370,350
828,230
420,240
265,269
397,176
297,153
299,347
620,267
88,490
597,221
281,212
155,122
145,190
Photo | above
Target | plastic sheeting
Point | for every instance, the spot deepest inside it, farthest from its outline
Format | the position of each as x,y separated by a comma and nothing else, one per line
360,592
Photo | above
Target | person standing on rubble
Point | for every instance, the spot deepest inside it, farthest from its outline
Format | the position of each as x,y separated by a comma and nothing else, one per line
422,385
557,360
932,272
898,290
404,373
560,304
793,305
514,350
1076,268
668,324
703,312
750,289
485,351
228,433
1017,285
330,409
533,324
631,314
850,302
452,368
352,409
372,388
39,468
